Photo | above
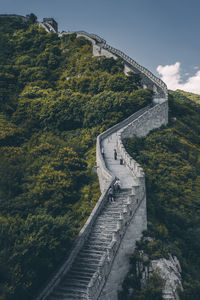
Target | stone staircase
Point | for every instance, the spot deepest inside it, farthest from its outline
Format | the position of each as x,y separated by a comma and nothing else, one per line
74,285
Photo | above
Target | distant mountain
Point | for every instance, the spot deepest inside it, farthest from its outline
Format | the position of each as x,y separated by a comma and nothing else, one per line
191,96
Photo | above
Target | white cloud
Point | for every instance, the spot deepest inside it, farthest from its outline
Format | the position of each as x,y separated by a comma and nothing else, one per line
171,75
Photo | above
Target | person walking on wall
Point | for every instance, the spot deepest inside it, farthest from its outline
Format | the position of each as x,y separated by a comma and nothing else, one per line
111,194
115,154
117,185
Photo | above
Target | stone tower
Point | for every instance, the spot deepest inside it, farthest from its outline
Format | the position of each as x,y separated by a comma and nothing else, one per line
52,22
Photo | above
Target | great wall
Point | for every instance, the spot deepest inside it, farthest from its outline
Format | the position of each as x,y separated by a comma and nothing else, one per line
99,259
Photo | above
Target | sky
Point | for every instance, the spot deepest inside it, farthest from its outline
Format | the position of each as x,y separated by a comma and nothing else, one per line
161,35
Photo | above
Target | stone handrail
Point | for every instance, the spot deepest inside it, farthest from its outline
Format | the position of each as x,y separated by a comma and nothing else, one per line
134,167
143,70
92,36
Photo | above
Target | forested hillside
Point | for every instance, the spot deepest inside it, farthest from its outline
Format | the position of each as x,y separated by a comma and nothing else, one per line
186,95
170,157
55,98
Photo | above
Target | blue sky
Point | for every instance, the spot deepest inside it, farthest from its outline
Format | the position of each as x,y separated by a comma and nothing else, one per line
153,32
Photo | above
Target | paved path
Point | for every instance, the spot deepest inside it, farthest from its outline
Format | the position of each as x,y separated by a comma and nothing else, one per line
120,171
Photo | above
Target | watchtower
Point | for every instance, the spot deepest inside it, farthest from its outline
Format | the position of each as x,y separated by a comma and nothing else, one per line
51,22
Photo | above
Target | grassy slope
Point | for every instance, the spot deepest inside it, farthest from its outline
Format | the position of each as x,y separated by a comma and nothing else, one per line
191,96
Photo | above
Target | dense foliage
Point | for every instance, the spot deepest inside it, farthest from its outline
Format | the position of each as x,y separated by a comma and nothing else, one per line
170,157
55,98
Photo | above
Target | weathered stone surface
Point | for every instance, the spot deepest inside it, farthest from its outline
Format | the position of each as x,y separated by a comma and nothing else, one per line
168,269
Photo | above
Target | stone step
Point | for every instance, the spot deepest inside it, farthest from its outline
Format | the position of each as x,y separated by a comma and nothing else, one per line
105,228
102,228
108,230
115,208
76,278
105,218
90,254
86,250
97,247
82,270
87,259
72,283
98,243
69,297
70,292
100,235
87,273
113,214
88,267
109,225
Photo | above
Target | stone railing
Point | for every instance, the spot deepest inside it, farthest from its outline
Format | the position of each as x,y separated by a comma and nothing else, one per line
92,36
134,129
141,69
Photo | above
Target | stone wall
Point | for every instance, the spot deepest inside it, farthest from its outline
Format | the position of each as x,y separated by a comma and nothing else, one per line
169,270
112,269
105,177
121,262
140,125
